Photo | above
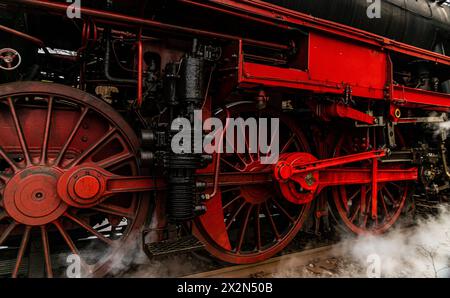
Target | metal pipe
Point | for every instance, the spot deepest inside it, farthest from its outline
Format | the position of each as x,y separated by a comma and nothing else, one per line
107,64
218,154
111,16
25,36
444,159
140,69
238,14
84,42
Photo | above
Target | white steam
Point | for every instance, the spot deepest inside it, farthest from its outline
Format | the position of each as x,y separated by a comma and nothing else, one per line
420,251
423,251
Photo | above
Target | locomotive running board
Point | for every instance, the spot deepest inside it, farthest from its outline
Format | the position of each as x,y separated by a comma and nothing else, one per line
169,247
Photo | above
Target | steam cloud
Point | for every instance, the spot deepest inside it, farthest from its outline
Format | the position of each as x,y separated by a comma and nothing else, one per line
423,251
420,251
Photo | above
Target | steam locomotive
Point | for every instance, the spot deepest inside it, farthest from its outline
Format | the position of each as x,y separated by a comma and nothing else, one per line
91,93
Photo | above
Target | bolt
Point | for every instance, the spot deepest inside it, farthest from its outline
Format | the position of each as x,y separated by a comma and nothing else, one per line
309,179
38,196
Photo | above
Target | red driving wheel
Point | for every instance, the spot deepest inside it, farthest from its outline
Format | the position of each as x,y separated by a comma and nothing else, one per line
47,129
352,203
251,223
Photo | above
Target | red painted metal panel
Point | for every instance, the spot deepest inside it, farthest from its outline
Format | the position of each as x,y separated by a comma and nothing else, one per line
357,65
265,75
333,65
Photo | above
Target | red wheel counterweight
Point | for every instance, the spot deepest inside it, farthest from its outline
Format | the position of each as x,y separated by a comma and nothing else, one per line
47,130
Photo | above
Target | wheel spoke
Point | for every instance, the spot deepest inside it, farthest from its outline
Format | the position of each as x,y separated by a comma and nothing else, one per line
66,237
114,210
3,215
4,178
354,195
47,131
230,164
120,165
71,136
273,137
94,147
258,227
47,256
345,200
390,196
343,197
352,219
272,222
6,232
244,228
289,142
231,202
242,159
239,155
291,219
366,212
115,160
19,131
235,214
230,189
383,202
385,206
22,248
247,146
396,185
88,228
8,160
70,243
362,210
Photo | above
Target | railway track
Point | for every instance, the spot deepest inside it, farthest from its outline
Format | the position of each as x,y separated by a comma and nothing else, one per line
325,258
317,260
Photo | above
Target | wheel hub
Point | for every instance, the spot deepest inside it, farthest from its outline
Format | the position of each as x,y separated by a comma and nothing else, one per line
304,189
255,194
31,196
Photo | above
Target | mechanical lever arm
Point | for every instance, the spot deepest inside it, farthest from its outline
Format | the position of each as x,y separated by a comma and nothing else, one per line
87,186
291,166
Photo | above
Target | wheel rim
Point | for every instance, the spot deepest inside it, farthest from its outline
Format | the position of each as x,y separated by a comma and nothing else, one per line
252,223
47,129
353,208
